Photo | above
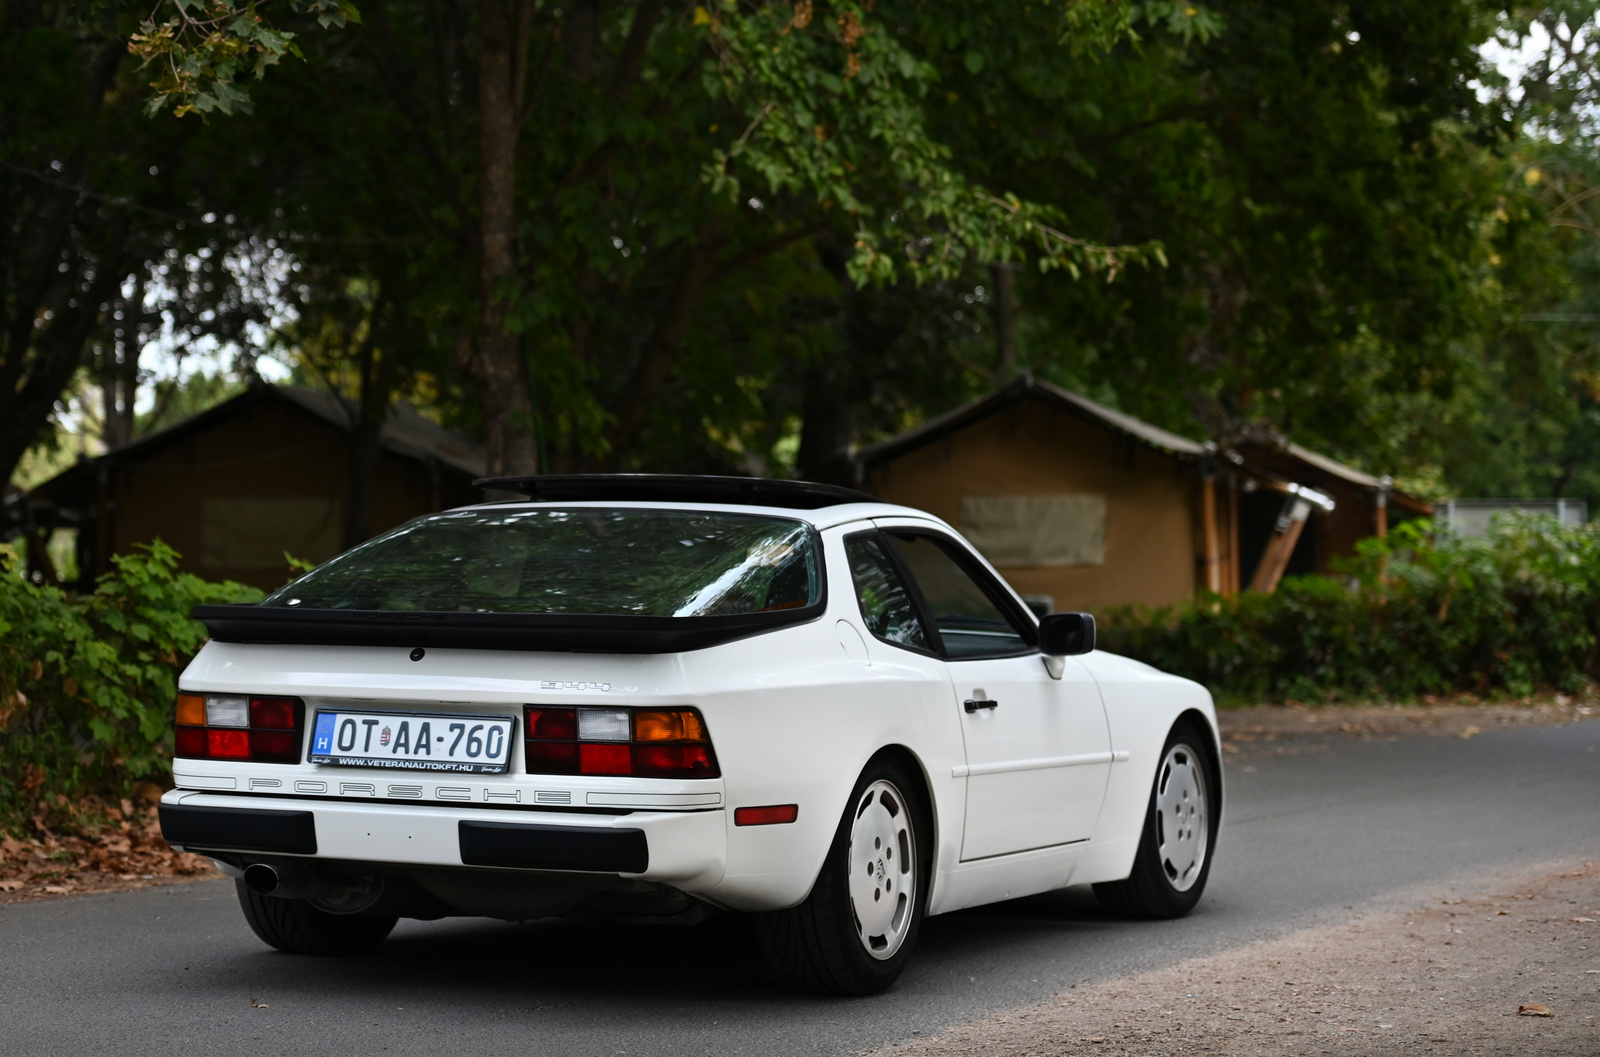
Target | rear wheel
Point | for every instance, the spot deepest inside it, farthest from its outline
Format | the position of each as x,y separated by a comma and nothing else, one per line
295,926
1174,857
854,934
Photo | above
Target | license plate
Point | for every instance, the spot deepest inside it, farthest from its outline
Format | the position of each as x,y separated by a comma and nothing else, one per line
412,742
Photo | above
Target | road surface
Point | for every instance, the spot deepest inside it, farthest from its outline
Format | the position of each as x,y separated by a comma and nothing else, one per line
174,970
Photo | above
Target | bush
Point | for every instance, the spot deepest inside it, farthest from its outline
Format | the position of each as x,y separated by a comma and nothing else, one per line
1508,613
87,683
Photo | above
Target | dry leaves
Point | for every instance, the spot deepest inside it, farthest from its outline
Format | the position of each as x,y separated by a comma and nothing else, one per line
1534,1009
124,844
258,1005
1469,732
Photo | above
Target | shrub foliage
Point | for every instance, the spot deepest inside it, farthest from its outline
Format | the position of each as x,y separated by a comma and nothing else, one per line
87,682
1507,613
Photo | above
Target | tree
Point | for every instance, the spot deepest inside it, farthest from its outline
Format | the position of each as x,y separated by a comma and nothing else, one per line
584,175
99,207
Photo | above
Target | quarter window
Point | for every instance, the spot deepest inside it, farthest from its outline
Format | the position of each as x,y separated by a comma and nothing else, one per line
886,605
969,621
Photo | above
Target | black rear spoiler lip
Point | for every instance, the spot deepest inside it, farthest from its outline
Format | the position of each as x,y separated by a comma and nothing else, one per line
539,633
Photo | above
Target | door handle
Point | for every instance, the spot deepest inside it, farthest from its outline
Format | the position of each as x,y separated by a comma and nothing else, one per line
974,705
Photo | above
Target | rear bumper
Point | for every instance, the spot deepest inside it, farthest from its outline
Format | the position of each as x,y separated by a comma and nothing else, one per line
687,850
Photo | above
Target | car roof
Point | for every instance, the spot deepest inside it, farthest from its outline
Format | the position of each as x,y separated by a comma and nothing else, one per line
678,488
822,505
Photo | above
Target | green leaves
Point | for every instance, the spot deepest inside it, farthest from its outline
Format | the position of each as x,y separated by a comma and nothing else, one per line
838,112
1511,612
87,684
200,50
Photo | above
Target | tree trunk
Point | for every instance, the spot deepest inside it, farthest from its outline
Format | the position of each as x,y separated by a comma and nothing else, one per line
371,411
827,423
119,378
666,342
1005,322
500,371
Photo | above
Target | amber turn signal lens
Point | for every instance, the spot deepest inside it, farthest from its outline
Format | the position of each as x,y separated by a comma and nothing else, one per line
191,710
668,726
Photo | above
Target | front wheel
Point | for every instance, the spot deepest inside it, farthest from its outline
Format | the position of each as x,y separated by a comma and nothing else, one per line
297,927
1180,829
854,934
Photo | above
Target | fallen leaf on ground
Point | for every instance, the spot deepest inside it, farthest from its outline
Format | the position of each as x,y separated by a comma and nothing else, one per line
258,1005
10,886
57,890
1534,1009
1586,921
1469,732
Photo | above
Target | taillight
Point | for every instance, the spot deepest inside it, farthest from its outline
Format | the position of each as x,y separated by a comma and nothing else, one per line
638,743
239,727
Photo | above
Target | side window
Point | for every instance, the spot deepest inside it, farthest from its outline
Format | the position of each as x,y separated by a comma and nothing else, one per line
968,621
886,605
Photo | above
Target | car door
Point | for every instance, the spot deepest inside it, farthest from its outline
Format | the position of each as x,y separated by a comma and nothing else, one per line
1038,748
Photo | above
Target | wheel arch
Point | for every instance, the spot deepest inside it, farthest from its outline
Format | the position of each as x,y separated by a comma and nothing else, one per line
913,763
1213,751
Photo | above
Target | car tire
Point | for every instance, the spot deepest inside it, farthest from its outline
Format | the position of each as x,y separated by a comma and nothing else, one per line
297,927
1173,862
825,944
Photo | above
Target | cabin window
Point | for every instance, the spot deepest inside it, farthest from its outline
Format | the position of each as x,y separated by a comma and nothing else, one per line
1033,530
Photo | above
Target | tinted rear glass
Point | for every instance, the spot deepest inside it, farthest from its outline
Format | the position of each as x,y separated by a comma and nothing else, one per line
613,562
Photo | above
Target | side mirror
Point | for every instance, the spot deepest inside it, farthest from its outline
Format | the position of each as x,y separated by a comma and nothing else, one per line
1066,634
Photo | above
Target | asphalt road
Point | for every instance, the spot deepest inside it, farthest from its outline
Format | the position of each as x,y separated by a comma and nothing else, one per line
173,970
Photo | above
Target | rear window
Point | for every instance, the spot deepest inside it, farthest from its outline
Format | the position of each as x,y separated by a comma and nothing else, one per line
599,562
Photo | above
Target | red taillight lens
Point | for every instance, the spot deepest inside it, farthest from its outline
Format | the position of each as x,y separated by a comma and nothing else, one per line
192,741
645,743
274,746
273,734
552,757
271,713
772,815
554,724
604,759
228,744
674,761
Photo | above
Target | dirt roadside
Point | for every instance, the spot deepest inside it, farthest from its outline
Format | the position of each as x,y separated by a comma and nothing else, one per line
1446,976
1284,730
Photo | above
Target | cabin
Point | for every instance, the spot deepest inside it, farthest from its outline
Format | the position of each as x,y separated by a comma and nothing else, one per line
1081,506
235,487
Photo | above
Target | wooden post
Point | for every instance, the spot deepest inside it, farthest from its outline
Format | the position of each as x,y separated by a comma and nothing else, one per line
1381,513
1208,518
1230,584
1281,546
102,524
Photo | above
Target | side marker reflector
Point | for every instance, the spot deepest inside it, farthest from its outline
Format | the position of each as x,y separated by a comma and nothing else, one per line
771,815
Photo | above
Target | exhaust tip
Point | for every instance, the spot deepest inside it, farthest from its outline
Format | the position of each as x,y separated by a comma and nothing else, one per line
261,879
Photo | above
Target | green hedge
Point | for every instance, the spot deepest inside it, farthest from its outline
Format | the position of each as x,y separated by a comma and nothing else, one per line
87,683
1509,613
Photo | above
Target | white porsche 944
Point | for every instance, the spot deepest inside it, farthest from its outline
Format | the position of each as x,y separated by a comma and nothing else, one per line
653,695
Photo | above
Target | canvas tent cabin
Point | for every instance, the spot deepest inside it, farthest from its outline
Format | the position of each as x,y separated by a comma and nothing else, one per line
234,487
1083,506
1364,505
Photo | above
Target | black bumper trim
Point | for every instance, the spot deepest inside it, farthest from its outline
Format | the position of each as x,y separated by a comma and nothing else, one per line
240,829
534,847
